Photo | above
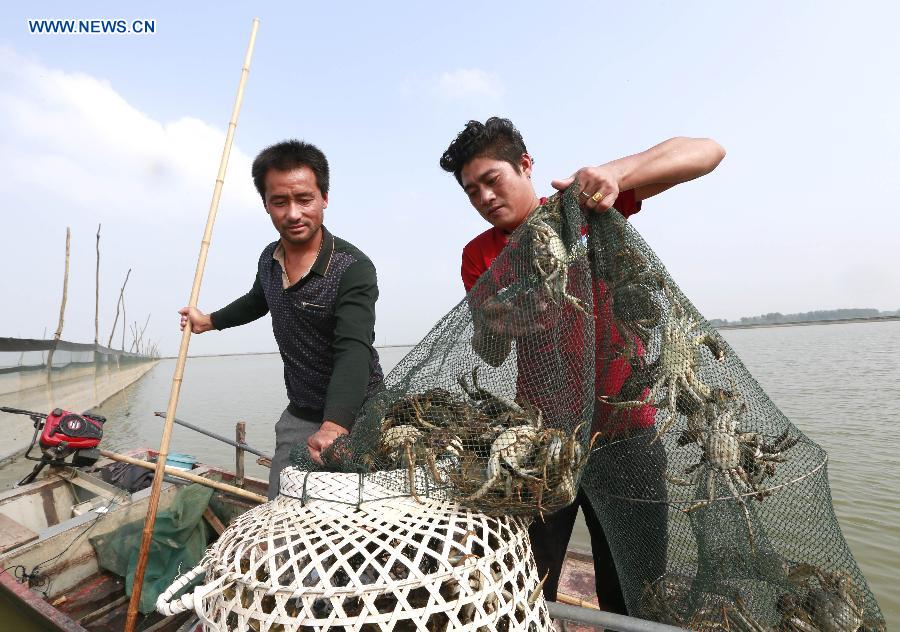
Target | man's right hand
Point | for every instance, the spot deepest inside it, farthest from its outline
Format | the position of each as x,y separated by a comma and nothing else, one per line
511,320
497,322
200,322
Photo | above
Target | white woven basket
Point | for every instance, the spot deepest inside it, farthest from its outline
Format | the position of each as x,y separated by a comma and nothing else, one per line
355,564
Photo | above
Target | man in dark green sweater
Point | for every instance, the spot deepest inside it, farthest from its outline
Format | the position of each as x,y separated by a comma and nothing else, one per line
321,292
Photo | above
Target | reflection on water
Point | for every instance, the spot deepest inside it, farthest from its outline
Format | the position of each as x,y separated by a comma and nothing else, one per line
840,384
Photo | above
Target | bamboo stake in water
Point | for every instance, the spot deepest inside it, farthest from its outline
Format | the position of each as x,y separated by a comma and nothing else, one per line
62,306
121,298
97,293
138,581
141,336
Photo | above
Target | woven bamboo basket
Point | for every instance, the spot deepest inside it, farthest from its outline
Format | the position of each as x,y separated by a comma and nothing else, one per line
336,552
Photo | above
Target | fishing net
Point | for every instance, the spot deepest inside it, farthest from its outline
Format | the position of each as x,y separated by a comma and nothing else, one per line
500,394
576,360
179,540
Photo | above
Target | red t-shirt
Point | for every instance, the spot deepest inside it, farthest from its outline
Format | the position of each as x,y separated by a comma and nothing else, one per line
477,257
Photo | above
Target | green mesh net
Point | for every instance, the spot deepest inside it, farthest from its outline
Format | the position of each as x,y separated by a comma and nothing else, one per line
179,541
576,360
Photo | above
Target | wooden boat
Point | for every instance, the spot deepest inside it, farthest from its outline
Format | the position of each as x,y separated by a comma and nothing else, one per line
44,541
43,529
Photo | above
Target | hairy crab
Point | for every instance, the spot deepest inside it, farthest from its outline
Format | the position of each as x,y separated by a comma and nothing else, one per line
725,450
551,260
676,368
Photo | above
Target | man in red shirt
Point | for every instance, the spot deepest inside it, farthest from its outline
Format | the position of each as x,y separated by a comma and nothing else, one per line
493,166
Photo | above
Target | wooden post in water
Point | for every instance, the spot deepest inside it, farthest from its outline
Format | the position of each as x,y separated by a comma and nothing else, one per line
121,299
138,581
97,293
240,436
62,306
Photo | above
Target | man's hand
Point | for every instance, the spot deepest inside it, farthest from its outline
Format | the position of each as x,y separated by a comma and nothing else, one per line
599,187
497,322
323,438
511,319
200,322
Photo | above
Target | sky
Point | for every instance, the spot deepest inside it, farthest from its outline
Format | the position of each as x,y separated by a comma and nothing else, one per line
126,130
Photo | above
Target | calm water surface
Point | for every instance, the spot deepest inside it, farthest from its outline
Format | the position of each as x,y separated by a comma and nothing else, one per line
840,384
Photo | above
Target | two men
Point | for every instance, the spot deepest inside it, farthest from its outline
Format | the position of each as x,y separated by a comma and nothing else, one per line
321,292
493,166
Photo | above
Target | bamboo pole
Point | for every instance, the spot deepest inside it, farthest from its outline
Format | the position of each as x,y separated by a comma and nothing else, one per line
575,601
138,581
134,336
97,293
121,299
62,306
179,473
123,319
143,329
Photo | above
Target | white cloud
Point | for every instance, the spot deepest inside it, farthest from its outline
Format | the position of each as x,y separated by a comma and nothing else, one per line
74,152
104,153
469,83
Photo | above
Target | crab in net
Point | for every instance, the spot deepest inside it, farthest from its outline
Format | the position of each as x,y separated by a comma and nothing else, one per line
496,408
831,603
529,466
676,368
422,428
727,454
663,600
432,409
406,445
551,260
632,286
511,458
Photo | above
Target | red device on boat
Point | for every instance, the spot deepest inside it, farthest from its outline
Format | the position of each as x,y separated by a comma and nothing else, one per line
62,433
78,432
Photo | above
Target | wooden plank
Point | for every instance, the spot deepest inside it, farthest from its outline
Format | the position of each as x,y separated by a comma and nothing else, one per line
191,625
168,622
577,581
101,611
213,521
40,611
13,534
96,485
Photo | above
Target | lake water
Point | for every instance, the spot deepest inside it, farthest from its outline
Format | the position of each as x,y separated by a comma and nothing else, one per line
840,384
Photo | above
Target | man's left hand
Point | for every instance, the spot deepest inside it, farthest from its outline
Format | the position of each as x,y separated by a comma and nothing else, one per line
599,187
323,438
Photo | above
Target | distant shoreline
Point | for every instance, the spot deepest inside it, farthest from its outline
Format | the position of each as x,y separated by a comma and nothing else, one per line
798,323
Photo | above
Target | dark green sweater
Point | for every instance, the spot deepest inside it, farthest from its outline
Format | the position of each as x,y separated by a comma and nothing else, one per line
324,325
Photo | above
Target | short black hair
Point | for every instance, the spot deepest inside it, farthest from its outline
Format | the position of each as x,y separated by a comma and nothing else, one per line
496,138
288,155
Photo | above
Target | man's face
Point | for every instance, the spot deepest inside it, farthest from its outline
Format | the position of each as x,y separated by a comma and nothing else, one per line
501,194
294,202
